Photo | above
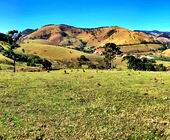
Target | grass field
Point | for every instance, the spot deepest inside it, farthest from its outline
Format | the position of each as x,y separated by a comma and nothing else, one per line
140,48
85,105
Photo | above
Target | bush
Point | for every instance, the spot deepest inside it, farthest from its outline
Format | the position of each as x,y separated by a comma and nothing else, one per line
83,60
3,37
161,67
162,58
31,60
1,48
35,59
164,47
101,66
88,50
47,64
31,64
8,53
143,64
92,66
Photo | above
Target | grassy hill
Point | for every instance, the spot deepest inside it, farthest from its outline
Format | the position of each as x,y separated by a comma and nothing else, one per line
166,53
85,105
52,52
4,44
5,60
139,48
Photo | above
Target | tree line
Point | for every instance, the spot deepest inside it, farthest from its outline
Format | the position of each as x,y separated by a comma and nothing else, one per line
135,63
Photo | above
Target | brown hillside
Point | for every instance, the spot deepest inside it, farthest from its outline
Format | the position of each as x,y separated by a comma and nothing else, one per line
166,53
54,53
64,35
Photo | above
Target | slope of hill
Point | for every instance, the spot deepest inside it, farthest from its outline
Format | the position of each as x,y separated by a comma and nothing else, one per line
163,37
5,60
52,52
154,32
166,53
72,37
27,32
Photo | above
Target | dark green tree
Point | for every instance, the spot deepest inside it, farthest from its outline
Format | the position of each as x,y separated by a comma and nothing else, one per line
161,67
83,60
143,64
13,37
47,64
165,46
111,50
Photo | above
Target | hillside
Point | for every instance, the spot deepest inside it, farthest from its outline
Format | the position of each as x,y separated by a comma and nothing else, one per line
163,37
27,32
5,60
166,53
73,37
54,53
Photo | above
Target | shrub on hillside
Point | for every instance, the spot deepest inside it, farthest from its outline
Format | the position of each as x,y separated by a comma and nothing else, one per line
143,64
101,66
83,60
1,48
47,64
31,60
3,37
89,49
31,63
161,67
165,47
162,58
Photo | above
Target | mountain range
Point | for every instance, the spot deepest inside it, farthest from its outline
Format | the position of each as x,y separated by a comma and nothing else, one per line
62,43
72,37
93,39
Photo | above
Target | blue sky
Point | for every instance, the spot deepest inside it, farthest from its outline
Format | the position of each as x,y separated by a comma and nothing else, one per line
132,14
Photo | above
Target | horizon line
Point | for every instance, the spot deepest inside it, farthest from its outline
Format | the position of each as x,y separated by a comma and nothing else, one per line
74,26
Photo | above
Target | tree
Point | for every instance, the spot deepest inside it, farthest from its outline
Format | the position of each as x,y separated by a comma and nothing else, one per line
47,64
165,46
83,60
143,64
111,50
161,67
13,37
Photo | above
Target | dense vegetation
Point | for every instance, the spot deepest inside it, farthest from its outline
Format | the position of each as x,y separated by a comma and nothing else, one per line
165,47
143,64
162,58
31,60
3,37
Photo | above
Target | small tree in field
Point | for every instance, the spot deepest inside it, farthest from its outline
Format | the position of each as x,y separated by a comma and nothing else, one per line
83,60
47,64
111,50
13,37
